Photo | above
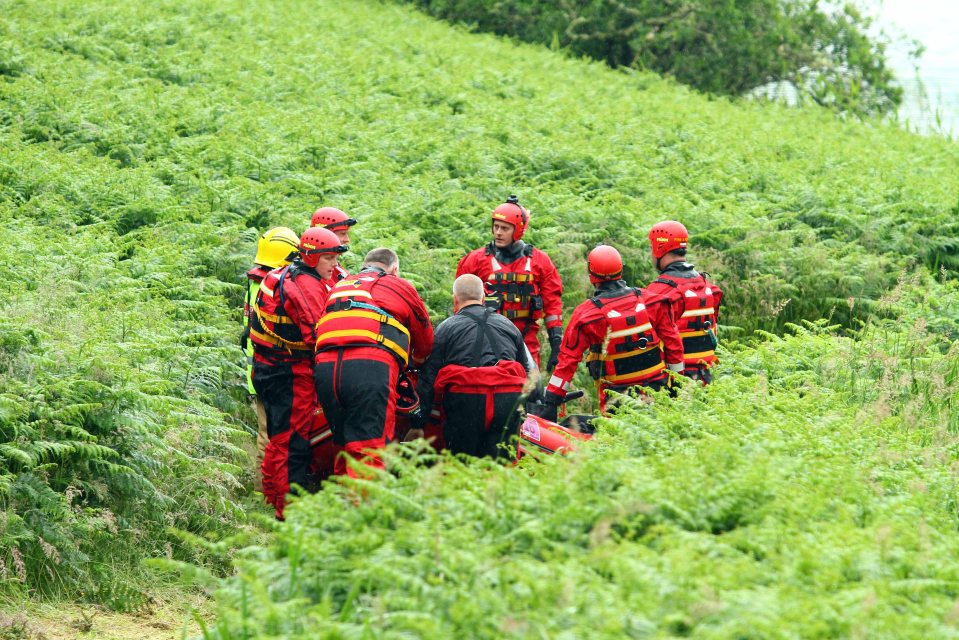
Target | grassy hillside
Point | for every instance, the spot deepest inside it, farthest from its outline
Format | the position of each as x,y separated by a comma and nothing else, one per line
143,147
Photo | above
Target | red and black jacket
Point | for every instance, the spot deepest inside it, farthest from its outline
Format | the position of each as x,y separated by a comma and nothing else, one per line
630,336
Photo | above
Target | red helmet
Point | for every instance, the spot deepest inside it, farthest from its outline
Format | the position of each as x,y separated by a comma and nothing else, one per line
315,241
330,218
604,263
407,399
511,213
667,236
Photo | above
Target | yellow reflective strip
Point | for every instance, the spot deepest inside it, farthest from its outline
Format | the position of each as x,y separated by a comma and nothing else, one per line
397,349
630,354
691,334
360,333
350,313
632,376
698,312
628,332
344,333
367,315
698,356
356,293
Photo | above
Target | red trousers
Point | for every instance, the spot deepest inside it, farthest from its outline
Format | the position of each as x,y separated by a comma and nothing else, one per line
289,399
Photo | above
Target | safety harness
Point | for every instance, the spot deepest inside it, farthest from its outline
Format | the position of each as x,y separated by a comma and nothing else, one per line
697,324
631,351
270,326
513,294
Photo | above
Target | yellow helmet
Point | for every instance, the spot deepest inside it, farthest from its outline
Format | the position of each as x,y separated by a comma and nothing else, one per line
276,247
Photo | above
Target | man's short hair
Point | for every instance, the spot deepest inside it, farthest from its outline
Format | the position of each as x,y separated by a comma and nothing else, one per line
383,256
468,287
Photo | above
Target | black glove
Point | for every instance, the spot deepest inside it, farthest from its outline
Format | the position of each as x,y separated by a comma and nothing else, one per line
418,418
551,402
555,340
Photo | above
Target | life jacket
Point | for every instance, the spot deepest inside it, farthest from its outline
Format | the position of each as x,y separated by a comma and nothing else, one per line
353,319
631,352
271,328
514,294
697,324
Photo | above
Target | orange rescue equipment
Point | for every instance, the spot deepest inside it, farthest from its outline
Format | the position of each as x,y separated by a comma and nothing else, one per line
631,352
352,319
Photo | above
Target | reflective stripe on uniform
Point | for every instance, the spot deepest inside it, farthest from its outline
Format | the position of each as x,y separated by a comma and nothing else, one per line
627,354
265,289
556,381
320,437
627,377
706,311
350,293
631,331
367,315
377,338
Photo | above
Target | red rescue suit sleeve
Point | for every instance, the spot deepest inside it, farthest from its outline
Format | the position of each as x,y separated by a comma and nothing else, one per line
400,298
550,288
473,263
586,326
717,298
660,313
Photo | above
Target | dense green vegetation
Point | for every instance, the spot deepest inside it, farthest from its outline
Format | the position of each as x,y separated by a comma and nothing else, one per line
143,147
830,54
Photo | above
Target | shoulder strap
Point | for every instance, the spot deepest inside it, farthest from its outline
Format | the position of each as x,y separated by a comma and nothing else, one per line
662,280
528,250
482,334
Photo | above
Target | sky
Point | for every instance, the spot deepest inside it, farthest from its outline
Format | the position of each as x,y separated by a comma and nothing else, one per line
935,23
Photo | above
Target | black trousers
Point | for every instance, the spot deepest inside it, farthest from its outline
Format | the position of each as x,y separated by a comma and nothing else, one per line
475,428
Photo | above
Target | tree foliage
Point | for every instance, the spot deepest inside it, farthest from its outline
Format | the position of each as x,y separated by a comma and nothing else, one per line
826,54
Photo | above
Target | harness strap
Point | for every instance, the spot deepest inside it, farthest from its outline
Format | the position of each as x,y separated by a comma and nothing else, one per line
276,340
482,336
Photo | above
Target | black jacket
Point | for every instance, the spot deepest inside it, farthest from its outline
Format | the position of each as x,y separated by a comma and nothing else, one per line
456,343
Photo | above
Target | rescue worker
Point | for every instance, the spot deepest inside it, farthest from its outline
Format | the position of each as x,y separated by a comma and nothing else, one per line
375,325
694,298
275,248
478,368
339,223
521,281
290,302
630,335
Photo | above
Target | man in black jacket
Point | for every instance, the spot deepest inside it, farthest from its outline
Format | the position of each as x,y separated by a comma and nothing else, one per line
475,373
